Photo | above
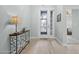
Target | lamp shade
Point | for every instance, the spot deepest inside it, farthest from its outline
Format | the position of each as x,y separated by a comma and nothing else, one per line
15,20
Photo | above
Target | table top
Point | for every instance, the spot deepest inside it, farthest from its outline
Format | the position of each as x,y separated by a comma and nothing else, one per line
18,33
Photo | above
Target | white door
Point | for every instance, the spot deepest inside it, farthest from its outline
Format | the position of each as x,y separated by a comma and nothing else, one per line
46,23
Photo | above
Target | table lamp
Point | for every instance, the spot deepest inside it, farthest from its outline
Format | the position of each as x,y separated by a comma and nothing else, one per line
14,21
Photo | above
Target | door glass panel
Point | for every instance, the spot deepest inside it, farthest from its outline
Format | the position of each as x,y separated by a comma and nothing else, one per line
51,22
43,22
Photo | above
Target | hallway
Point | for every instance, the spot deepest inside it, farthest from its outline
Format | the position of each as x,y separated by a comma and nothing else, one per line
19,23
49,46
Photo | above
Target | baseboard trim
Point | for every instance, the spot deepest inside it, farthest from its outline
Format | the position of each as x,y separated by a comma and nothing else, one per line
63,44
34,37
43,37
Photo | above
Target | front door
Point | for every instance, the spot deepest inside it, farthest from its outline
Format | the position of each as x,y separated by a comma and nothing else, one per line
46,23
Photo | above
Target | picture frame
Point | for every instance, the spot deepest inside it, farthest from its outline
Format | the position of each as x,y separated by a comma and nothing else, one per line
69,31
59,17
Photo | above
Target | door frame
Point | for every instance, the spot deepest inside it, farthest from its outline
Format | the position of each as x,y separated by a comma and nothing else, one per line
48,25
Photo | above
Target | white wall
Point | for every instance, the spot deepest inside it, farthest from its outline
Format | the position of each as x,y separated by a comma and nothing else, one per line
36,18
22,11
60,27
5,29
75,25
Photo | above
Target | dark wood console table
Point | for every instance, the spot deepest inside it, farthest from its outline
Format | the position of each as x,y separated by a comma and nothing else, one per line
18,41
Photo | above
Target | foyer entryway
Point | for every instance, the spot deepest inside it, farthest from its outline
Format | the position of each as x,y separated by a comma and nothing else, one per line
46,23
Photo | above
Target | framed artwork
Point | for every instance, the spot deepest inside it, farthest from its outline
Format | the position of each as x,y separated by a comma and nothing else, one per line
59,17
69,31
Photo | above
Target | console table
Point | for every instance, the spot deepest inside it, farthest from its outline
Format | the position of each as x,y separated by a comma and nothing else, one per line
18,41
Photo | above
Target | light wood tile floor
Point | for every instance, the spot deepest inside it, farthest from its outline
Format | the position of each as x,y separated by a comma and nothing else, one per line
49,46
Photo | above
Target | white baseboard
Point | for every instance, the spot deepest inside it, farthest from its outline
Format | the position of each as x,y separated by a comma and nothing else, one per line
35,37
63,44
43,37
